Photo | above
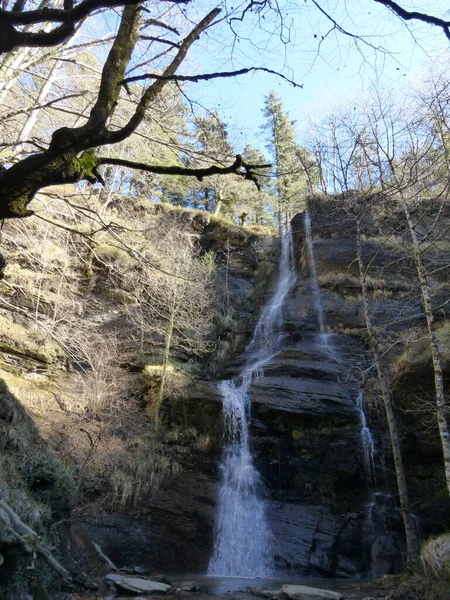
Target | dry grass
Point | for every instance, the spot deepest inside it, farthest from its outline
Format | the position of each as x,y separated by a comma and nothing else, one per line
419,352
347,280
436,554
33,392
143,468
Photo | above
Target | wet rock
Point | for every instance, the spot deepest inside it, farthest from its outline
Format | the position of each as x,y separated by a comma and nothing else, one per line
142,571
307,540
177,520
303,396
189,586
91,585
162,579
262,592
298,592
137,585
113,577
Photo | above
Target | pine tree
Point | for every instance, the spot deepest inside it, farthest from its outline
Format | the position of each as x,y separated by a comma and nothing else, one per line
294,169
214,148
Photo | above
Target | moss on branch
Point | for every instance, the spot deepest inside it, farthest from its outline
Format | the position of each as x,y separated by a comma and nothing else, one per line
20,183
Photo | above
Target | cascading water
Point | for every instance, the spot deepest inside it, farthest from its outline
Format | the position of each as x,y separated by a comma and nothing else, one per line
367,442
242,546
312,269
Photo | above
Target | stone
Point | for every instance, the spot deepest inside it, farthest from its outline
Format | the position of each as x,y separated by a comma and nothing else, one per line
262,592
142,571
297,591
189,586
161,579
111,579
137,585
91,585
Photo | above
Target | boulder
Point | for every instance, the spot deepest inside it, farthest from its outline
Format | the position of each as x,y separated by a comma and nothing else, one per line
262,592
189,586
137,585
299,591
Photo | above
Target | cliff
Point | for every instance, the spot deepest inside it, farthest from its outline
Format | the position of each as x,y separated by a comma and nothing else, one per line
80,454
88,471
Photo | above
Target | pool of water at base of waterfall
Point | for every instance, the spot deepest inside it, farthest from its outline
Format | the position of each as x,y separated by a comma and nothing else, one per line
230,587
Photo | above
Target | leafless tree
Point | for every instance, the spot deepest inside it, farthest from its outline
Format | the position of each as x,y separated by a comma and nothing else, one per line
410,161
175,305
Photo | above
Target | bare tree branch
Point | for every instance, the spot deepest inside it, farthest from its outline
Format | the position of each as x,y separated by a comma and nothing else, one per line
239,167
416,16
208,76
67,17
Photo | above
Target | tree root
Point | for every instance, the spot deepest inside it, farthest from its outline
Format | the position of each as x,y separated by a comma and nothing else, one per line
20,534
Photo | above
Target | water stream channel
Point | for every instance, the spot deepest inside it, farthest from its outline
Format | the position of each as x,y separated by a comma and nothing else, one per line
242,546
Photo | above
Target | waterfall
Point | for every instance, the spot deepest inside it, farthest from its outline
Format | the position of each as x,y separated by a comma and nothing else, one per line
367,442
317,301
242,545
267,334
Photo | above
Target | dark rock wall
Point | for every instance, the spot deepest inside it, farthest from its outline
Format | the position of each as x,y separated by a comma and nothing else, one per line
326,518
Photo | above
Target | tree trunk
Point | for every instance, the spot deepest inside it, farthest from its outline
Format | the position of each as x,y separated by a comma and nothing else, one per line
31,121
218,206
412,544
434,347
242,219
165,363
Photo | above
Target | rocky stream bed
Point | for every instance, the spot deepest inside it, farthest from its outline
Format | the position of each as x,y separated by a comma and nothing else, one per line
121,586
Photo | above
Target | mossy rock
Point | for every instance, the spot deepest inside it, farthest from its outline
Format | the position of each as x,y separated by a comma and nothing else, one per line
17,340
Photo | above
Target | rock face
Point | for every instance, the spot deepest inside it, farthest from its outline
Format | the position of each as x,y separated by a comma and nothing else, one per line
326,517
173,530
306,441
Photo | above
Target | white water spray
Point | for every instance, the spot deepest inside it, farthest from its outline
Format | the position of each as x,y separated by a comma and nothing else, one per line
317,301
367,442
243,544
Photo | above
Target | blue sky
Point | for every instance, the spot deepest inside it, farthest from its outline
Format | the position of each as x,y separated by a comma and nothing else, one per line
341,67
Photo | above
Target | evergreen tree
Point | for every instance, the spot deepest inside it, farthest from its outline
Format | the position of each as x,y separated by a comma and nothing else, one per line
257,204
214,148
294,168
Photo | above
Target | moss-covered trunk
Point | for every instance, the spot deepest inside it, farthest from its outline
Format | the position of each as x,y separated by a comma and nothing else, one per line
68,158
